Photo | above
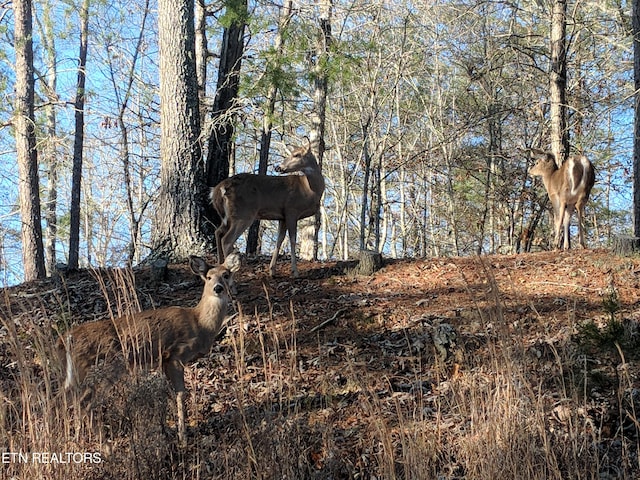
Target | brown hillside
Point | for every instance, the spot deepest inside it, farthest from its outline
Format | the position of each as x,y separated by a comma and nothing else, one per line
335,376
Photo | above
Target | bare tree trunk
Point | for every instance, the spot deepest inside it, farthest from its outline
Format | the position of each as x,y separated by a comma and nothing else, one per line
309,232
179,216
341,234
430,245
78,141
383,229
253,235
220,141
404,231
27,155
451,200
558,82
365,186
50,145
375,212
636,123
491,191
51,218
202,54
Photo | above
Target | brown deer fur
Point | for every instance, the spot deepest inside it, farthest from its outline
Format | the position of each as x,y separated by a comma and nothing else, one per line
166,338
568,187
243,198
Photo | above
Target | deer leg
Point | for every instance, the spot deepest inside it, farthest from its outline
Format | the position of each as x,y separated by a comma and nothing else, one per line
181,424
293,233
559,208
282,231
233,232
175,373
568,211
221,231
557,223
580,215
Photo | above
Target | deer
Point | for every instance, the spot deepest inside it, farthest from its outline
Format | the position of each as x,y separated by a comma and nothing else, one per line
165,339
568,187
243,198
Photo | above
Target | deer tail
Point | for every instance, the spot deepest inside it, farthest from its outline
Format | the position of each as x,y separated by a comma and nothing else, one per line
67,360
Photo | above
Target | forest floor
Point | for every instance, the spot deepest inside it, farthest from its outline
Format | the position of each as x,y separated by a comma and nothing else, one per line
494,367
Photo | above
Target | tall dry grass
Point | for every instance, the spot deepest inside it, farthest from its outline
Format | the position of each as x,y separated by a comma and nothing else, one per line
290,418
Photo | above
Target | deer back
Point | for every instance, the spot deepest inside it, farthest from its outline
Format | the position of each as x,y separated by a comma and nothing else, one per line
247,196
151,337
257,196
572,181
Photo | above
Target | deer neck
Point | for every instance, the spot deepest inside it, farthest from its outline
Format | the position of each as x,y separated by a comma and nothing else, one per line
315,180
546,180
550,180
210,312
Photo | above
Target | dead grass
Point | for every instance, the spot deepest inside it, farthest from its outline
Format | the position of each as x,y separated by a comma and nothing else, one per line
522,393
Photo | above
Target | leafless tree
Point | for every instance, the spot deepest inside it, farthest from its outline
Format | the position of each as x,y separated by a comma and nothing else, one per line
78,141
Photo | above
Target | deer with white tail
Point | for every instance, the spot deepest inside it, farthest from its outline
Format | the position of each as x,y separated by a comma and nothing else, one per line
166,338
568,187
245,197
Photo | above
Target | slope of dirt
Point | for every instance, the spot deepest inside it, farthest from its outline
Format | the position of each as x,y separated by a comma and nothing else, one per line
401,372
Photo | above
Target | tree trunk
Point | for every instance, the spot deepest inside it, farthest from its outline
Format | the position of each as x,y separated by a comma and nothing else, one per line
366,160
253,236
220,140
50,150
78,141
527,235
178,230
308,231
375,212
27,155
134,211
202,54
636,123
370,261
558,82
625,245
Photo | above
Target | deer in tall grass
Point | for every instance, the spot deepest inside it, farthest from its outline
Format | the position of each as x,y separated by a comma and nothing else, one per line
568,187
166,338
245,197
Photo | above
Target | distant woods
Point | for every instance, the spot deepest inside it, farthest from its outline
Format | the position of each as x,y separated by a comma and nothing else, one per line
421,112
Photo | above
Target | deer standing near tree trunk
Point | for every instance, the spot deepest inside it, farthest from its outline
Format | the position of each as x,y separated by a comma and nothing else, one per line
568,187
166,338
245,197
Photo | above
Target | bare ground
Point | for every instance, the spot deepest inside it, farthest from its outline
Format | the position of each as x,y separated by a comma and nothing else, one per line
519,366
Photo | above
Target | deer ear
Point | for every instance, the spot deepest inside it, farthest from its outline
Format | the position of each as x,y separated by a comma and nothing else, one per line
233,262
198,266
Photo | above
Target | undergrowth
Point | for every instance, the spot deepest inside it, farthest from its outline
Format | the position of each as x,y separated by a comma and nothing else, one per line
486,412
